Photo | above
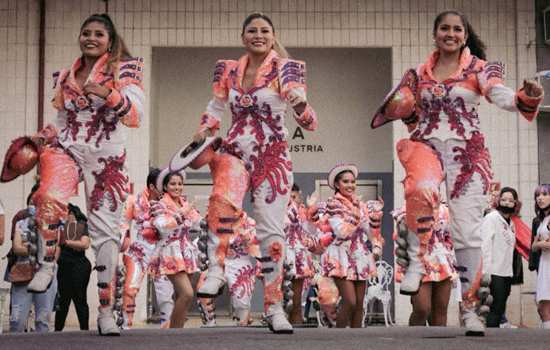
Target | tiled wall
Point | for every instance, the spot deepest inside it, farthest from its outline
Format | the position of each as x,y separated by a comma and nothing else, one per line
506,26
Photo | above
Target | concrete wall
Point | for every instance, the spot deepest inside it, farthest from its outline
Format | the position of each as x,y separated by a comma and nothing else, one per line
543,63
507,26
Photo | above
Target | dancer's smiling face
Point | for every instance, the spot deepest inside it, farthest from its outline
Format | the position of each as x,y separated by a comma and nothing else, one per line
258,37
450,34
345,184
174,187
94,40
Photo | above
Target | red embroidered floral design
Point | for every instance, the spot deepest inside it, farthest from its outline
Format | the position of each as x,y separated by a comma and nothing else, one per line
474,158
82,103
244,283
101,120
72,126
272,165
275,251
110,183
440,101
245,101
136,251
273,293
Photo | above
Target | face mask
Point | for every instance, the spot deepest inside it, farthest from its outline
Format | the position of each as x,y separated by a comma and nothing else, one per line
506,210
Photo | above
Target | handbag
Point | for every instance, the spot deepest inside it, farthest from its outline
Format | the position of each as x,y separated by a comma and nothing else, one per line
74,229
517,267
21,272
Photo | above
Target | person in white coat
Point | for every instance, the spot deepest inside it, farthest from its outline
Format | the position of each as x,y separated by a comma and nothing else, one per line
499,240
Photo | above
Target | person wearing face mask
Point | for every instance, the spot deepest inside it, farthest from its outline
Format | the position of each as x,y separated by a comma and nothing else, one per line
499,240
541,249
96,99
175,255
258,89
350,258
439,104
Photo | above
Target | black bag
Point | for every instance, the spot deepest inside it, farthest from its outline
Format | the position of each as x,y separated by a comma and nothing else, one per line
517,267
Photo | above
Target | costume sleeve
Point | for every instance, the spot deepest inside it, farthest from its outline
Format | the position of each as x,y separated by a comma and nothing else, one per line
292,80
193,219
372,223
487,236
127,97
342,223
491,85
166,222
128,214
211,118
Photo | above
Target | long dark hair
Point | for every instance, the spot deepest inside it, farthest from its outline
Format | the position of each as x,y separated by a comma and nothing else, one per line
544,188
277,46
118,48
78,214
153,176
474,43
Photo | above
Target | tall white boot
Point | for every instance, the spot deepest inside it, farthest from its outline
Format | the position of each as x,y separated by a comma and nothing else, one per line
412,279
106,266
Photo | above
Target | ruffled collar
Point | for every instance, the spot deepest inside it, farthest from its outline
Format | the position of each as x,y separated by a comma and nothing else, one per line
464,62
348,202
172,203
261,74
100,67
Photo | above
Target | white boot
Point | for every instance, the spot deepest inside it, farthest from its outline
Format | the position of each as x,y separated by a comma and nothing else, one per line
106,324
42,278
276,320
412,279
106,266
473,323
207,311
213,283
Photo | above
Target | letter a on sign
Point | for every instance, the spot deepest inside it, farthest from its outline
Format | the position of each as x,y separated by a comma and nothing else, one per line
298,133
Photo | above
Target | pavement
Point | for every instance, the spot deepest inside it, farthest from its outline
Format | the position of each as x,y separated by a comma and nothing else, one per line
259,338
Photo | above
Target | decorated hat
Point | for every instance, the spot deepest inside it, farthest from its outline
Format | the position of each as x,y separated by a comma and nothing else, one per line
338,169
195,154
165,172
398,102
21,157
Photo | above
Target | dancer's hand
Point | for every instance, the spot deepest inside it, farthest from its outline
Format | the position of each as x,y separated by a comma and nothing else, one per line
312,199
377,252
532,88
374,209
296,97
544,245
96,89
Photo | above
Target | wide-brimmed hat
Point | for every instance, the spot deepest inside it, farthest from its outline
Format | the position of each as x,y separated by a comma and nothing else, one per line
162,175
194,154
407,89
338,169
20,158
